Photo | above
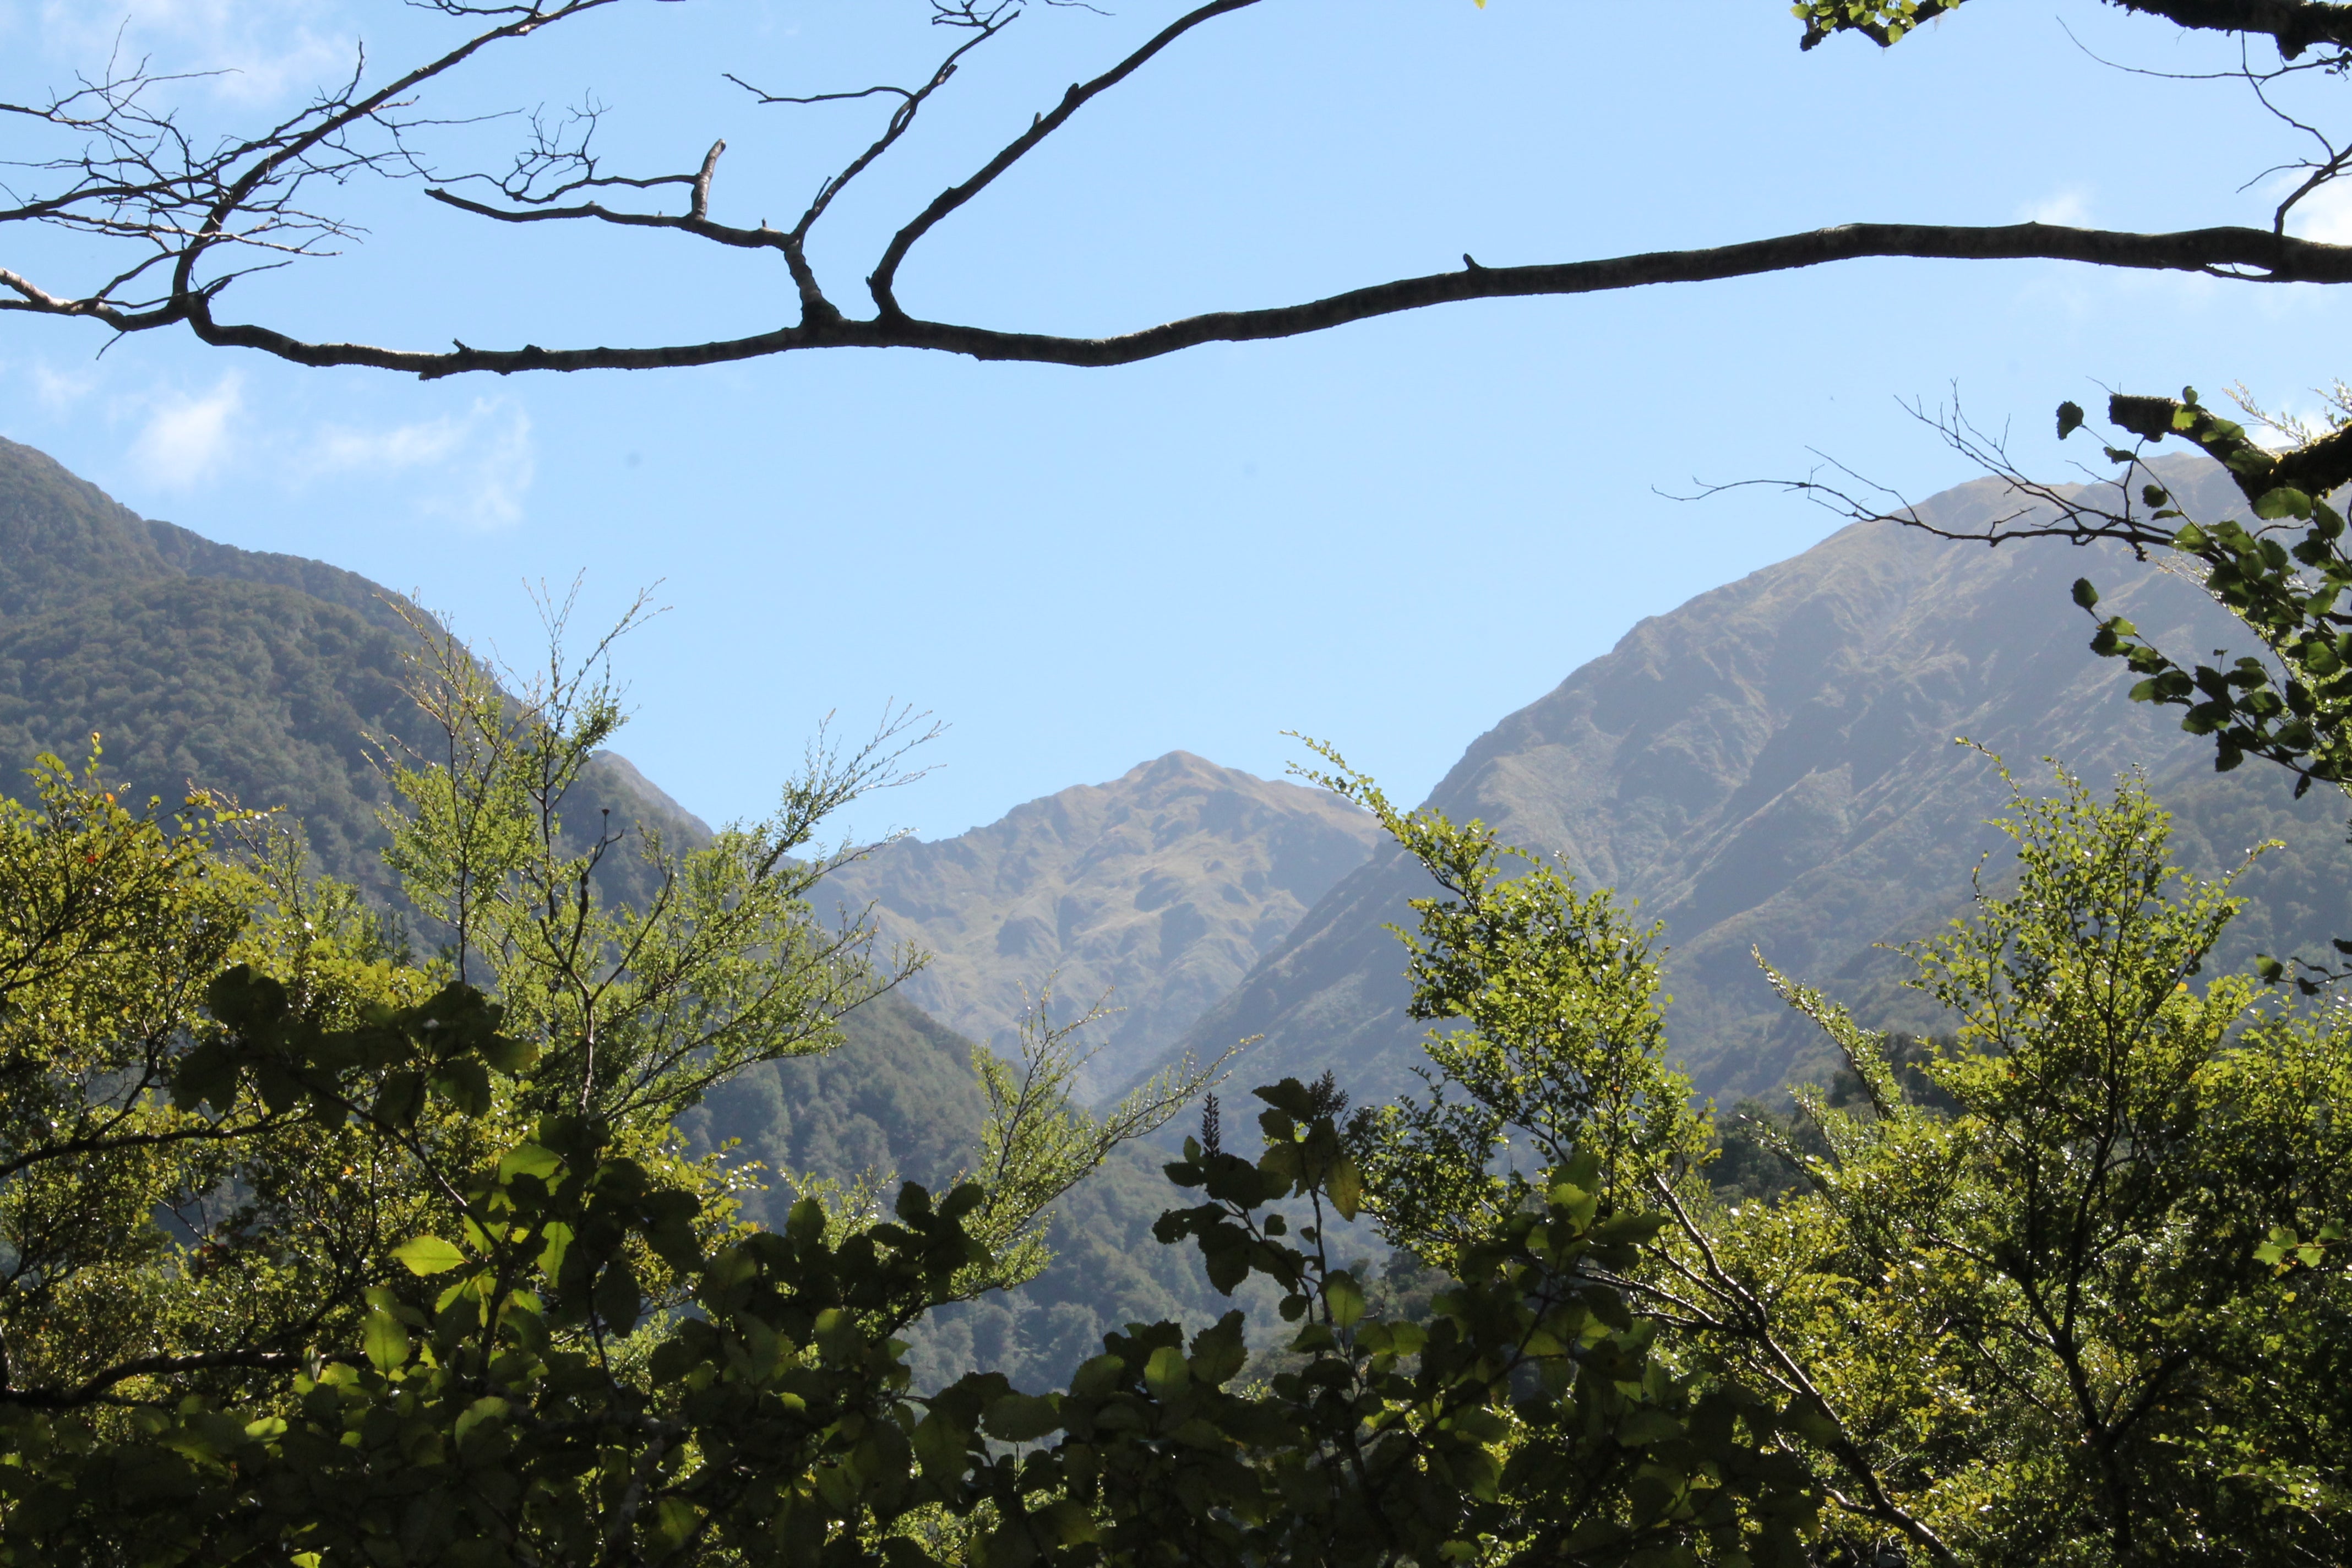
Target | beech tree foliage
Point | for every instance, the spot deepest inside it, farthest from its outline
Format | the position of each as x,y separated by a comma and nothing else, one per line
316,1252
169,215
2062,1292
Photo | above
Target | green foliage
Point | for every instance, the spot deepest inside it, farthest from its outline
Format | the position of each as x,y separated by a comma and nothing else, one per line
2034,1291
198,1164
1525,1415
641,1005
1884,22
2283,577
2032,1303
446,1315
1038,1142
253,690
1558,1047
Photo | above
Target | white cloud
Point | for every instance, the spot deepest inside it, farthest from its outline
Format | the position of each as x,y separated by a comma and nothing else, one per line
262,48
2325,216
503,474
187,438
479,464
60,390
402,447
2070,207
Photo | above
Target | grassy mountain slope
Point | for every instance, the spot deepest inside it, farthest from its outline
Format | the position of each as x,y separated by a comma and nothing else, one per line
1772,767
1162,886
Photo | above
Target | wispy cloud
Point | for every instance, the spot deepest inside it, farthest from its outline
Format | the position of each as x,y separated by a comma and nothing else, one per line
2325,216
479,465
503,476
259,50
59,390
401,447
187,438
2071,207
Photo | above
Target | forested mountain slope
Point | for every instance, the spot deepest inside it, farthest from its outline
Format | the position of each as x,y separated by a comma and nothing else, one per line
262,676
266,675
899,1098
1772,766
1161,887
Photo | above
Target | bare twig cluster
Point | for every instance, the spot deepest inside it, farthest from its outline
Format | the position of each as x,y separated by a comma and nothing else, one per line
184,216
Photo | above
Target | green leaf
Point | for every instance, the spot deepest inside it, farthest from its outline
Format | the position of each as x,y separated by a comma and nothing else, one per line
465,1085
386,1342
2084,595
1166,1375
1069,1524
1345,1298
2070,419
617,1299
1025,1419
487,1408
428,1254
557,1239
939,1448
674,1522
400,1098
528,1160
509,1056
1643,1427
206,1076
1346,1187
2283,501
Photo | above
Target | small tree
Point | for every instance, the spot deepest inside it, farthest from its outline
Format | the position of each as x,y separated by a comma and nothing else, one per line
2045,1297
2030,1299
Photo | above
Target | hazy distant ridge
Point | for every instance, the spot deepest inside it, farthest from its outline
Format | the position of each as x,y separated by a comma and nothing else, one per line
1772,765
1164,886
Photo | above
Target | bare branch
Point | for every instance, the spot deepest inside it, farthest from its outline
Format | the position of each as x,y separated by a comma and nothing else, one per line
2246,254
701,205
142,179
884,279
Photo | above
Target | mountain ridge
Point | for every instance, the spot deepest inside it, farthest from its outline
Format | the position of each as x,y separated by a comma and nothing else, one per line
1771,766
199,664
1160,888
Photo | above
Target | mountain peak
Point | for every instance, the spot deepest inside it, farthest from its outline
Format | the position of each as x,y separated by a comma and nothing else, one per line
1161,887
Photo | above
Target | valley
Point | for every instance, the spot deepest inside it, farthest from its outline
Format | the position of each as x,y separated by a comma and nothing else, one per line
1771,766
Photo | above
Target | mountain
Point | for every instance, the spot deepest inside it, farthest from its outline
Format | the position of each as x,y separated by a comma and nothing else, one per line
1162,888
900,1099
1771,766
267,676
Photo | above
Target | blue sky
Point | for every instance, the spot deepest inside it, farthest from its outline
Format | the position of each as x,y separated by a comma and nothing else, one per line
1389,535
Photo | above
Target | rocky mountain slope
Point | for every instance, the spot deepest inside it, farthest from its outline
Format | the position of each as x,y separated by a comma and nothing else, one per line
1771,766
1162,888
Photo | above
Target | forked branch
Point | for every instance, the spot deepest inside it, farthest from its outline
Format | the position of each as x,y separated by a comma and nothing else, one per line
143,180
